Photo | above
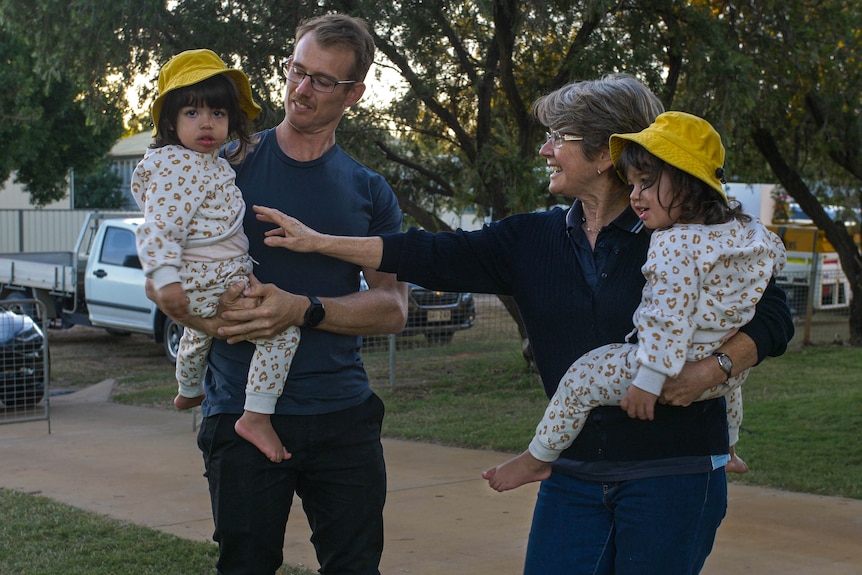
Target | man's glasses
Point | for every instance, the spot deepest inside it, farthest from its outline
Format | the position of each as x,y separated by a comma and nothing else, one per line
558,138
295,75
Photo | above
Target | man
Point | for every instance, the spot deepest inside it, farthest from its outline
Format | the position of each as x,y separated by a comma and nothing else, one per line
327,417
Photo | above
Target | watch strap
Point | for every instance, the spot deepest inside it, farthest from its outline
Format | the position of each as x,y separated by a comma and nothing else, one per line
725,364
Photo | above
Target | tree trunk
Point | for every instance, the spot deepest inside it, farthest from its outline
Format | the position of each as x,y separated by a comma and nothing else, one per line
836,233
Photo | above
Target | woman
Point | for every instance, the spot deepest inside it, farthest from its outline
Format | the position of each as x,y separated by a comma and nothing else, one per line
630,496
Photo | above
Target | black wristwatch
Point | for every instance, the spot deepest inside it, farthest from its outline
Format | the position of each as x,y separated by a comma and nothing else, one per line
315,312
725,363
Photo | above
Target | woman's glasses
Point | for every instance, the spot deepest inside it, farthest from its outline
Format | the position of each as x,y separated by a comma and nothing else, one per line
558,138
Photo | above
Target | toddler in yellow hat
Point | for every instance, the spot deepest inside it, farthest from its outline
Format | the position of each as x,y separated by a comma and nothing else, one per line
192,245
707,267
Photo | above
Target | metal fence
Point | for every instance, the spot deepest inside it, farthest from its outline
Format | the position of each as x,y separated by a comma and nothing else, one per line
820,326
822,315
492,331
26,368
823,327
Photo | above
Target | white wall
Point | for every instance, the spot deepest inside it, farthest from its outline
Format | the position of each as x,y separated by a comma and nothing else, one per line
14,197
756,199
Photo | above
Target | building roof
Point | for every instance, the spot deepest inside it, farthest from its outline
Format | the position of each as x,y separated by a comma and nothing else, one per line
131,147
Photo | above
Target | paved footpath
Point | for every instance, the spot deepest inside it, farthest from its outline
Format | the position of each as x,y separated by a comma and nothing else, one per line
142,465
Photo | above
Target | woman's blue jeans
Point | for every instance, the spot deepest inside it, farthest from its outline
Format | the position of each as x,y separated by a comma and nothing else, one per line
654,526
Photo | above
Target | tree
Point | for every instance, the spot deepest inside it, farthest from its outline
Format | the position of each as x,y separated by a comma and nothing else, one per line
45,129
99,189
806,116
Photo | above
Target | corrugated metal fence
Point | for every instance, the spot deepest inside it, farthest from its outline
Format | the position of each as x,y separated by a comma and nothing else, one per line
39,230
43,230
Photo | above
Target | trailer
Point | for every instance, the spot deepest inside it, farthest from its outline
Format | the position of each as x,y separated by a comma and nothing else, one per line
812,278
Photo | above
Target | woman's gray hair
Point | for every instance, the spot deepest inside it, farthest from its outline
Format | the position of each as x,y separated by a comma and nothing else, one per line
595,109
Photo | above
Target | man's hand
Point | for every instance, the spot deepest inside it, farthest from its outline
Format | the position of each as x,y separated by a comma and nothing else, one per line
639,403
171,299
260,311
231,298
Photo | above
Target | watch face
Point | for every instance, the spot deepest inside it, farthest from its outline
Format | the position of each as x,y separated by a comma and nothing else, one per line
317,314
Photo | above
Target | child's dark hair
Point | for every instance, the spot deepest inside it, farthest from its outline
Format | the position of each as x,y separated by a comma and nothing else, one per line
217,91
699,201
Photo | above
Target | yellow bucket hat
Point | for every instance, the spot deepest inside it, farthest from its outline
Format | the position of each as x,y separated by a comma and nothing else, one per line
193,66
684,141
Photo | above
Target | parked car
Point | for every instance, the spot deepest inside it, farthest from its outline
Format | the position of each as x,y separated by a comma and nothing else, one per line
436,314
22,348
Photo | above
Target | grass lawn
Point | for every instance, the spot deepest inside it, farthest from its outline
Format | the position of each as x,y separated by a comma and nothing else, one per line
42,537
803,421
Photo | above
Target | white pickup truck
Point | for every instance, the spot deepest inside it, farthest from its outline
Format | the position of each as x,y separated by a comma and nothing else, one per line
99,284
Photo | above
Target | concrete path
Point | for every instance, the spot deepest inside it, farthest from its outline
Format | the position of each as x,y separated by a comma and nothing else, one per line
142,465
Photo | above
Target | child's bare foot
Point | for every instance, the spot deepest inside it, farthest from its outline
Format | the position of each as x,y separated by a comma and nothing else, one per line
182,402
736,464
257,429
517,471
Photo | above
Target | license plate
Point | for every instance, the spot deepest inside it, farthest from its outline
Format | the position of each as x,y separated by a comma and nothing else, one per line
435,315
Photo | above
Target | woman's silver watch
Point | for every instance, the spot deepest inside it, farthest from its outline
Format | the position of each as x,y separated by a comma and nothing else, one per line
725,363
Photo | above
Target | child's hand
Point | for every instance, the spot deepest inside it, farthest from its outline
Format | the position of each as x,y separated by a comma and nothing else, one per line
174,301
639,403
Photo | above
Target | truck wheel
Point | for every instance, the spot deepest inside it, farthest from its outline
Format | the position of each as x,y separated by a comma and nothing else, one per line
172,334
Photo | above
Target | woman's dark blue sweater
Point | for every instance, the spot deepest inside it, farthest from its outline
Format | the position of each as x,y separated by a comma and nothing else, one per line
533,258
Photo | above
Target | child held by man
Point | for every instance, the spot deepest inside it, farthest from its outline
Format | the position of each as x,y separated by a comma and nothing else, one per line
192,244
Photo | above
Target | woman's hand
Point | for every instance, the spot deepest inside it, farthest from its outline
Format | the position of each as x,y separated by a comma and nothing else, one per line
697,377
290,234
293,235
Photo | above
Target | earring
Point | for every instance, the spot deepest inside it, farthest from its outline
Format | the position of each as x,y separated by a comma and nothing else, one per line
599,171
